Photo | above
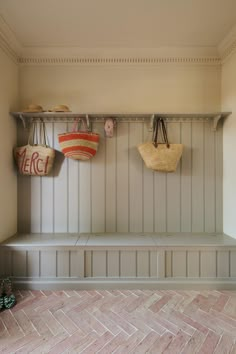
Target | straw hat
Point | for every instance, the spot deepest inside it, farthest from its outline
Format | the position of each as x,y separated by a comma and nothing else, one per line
60,108
33,108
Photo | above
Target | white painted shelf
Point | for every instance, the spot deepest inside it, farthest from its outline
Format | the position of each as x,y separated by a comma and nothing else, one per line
121,117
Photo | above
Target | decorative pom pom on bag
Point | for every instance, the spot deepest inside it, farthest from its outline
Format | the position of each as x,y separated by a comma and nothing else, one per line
79,144
35,158
163,157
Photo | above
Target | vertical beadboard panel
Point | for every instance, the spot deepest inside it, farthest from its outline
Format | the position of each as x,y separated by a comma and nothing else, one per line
209,183
110,184
168,264
85,202
135,179
47,189
160,199
88,264
122,177
143,264
179,265
186,180
7,256
33,264
77,263
63,264
154,264
98,183
193,264
99,264
48,263
113,264
173,185
208,264
128,264
23,188
223,266
233,264
73,192
19,263
197,177
219,177
2,264
60,184
148,189
36,201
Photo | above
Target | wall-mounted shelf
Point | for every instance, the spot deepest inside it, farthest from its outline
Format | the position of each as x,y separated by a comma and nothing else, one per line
126,117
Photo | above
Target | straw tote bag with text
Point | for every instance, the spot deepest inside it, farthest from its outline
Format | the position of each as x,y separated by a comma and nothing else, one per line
163,157
79,144
36,158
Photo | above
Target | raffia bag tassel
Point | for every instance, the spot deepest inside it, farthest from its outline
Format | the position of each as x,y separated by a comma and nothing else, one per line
163,157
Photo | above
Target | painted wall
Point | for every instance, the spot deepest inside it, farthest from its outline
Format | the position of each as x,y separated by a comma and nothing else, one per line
229,144
114,192
8,179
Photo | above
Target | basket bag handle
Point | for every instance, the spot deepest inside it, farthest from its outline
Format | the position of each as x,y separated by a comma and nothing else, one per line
159,125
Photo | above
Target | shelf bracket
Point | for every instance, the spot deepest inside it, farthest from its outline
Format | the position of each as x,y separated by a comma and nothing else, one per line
23,120
215,121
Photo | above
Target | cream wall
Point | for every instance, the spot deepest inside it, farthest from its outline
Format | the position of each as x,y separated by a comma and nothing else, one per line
8,179
124,88
229,145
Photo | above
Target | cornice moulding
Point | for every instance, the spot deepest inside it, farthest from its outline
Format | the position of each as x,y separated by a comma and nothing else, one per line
228,45
8,41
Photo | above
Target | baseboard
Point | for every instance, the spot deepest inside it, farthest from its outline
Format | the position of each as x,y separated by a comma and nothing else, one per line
89,283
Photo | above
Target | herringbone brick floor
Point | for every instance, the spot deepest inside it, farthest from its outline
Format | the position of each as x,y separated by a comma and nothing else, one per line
120,321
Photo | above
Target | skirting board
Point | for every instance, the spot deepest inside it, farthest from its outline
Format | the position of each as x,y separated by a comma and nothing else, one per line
89,283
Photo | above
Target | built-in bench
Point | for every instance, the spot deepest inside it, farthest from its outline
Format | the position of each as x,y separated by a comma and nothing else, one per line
79,261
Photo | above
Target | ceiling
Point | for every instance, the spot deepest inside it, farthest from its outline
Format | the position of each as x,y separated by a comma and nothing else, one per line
119,23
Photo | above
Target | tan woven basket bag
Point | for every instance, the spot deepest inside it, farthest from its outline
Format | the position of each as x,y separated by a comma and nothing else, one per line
163,157
35,158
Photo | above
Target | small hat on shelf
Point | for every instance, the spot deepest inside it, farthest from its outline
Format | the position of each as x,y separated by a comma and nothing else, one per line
33,108
60,108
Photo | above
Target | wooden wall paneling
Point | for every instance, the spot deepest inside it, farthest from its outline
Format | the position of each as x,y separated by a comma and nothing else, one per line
168,264
48,263
23,188
85,198
19,263
148,188
33,264
36,196
110,184
135,179
173,185
73,192
161,264
209,176
60,184
223,264
208,264
113,264
186,180
63,264
160,201
99,264
8,262
47,190
98,183
2,263
193,264
179,264
77,261
233,264
143,264
128,266
88,264
198,177
219,177
122,178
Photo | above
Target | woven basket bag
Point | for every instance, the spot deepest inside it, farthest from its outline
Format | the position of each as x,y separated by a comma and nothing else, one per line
163,157
35,158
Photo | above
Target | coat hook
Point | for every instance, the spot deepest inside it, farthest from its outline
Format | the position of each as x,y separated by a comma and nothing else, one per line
151,123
